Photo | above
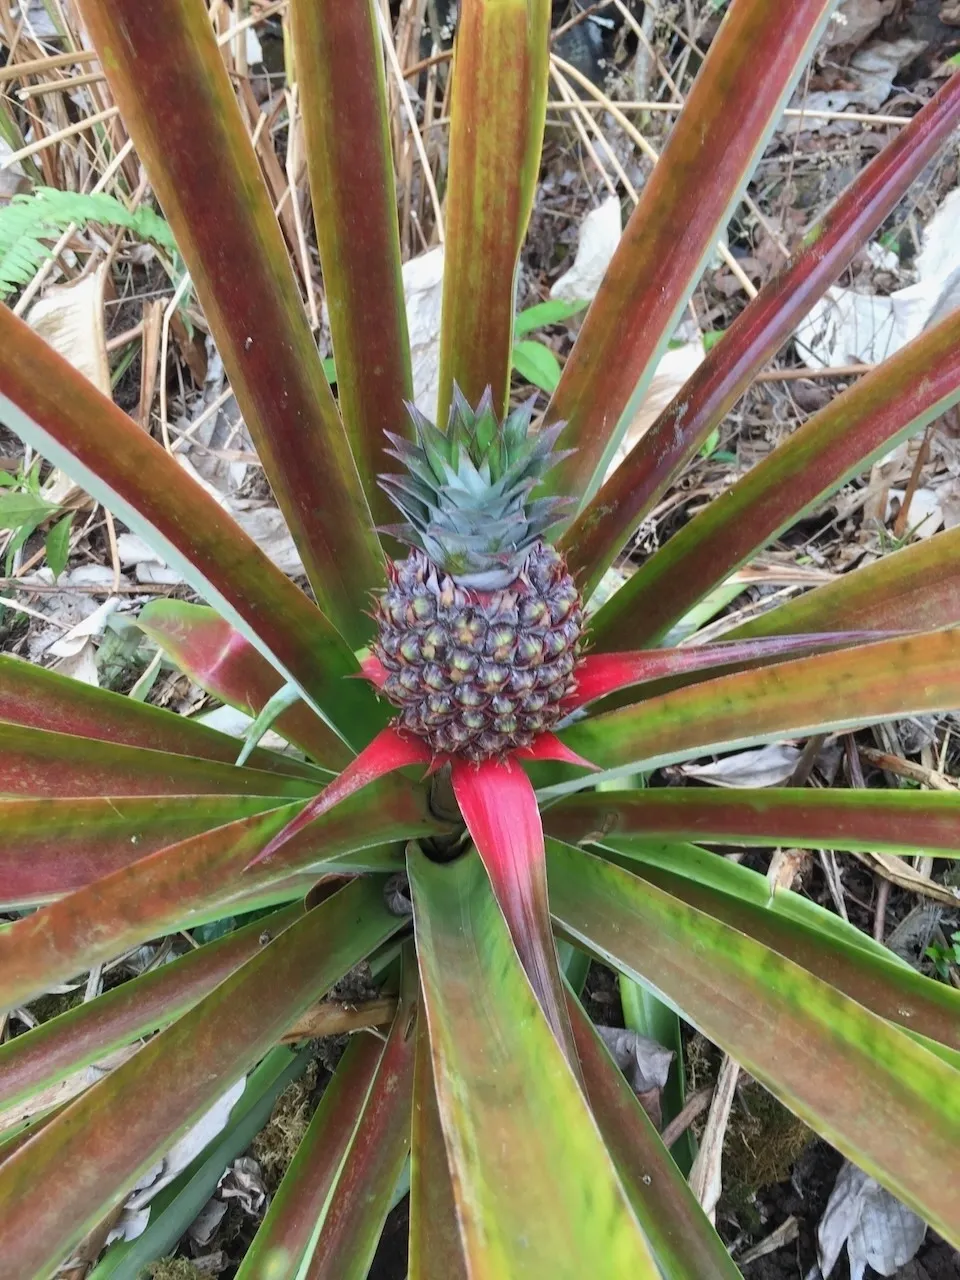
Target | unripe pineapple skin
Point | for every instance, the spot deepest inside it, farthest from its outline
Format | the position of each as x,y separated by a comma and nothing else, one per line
479,673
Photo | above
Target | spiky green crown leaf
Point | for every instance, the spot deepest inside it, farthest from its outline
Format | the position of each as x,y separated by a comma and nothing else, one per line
466,493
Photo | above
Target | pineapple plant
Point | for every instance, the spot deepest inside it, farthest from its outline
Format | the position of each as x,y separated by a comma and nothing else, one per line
481,626
475,1077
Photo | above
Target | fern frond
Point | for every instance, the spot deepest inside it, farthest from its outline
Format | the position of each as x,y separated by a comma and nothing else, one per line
28,220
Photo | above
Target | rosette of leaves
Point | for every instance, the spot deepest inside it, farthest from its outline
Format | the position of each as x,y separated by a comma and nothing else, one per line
528,1153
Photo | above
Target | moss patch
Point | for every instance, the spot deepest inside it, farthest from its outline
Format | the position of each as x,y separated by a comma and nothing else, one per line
276,1143
763,1142
174,1269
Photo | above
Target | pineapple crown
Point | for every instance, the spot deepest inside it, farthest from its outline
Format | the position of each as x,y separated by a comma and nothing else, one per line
466,492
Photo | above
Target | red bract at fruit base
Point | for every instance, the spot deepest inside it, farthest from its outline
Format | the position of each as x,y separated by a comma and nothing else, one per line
452,697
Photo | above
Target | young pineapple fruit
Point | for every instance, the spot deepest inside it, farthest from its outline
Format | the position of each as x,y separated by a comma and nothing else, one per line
481,626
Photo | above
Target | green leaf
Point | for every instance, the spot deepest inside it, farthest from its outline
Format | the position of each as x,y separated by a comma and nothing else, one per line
684,1241
537,363
536,1191
895,399
805,695
58,545
91,1154
498,109
884,1101
175,1207
23,508
297,1209
753,63
338,51
542,314
239,263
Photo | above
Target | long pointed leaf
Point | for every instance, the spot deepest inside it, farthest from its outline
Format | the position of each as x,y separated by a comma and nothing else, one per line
37,762
500,809
339,60
32,696
360,1198
879,821
916,587
175,888
175,97
680,1234
499,102
600,674
226,664
52,846
294,1211
871,976
899,397
754,337
752,66
60,1184
881,1099
806,695
436,1251
535,1189
56,409
390,750
90,1031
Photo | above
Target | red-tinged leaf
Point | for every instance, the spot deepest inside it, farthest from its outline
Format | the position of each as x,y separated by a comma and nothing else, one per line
753,63
178,887
912,388
298,1205
339,60
36,762
91,1031
682,1238
883,1100
828,691
547,746
390,750
55,408
741,898
753,339
175,97
904,822
59,1185
499,806
918,587
599,674
41,699
360,1199
535,1188
52,846
374,670
498,109
436,1251
224,663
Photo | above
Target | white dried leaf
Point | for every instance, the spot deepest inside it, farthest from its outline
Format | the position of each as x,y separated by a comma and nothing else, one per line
765,767
81,665
205,1224
846,326
645,1062
598,239
423,293
69,646
878,1230
925,516
674,368
133,550
198,1136
157,575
